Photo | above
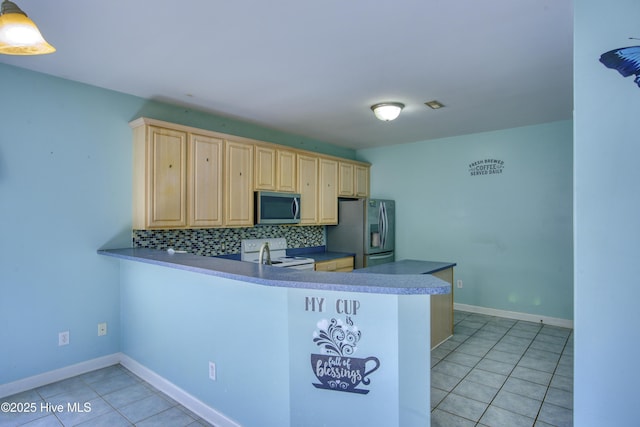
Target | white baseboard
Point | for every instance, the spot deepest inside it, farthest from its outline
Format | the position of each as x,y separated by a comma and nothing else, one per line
176,393
553,321
58,374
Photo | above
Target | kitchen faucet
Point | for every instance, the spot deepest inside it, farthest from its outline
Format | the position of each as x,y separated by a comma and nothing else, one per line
264,248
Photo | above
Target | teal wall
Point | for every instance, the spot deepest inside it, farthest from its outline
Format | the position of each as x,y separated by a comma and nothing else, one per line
607,218
177,321
65,173
510,233
65,191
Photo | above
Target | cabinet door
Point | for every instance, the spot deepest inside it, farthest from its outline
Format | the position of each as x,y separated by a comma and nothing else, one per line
361,181
308,188
166,182
346,180
328,191
205,181
341,265
442,310
239,186
286,171
265,168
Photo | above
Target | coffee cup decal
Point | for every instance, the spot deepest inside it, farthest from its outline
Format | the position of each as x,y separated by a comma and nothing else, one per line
335,337
343,373
336,368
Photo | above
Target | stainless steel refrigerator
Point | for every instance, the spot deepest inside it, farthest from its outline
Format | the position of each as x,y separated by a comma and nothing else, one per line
365,227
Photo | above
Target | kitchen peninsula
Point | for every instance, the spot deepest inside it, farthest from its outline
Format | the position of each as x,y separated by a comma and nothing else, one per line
441,305
296,347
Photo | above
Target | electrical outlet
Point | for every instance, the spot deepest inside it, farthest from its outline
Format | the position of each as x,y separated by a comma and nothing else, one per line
63,338
212,371
102,329
459,283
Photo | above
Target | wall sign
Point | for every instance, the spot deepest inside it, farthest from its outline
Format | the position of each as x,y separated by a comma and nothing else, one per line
334,366
486,167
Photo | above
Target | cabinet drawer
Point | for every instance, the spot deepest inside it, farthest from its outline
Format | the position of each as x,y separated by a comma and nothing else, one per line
340,264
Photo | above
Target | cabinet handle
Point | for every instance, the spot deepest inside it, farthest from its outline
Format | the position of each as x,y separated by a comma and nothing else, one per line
170,166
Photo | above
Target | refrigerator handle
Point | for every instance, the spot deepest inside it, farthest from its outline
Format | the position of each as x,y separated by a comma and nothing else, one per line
381,256
380,225
386,224
383,229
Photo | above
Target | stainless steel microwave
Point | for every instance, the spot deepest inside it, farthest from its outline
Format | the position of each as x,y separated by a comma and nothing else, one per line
277,208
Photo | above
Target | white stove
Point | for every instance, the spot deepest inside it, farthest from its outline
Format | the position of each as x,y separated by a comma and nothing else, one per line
250,251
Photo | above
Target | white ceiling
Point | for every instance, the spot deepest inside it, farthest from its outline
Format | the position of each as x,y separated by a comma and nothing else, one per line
314,68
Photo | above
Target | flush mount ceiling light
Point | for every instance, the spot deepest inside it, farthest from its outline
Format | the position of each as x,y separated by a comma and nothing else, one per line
18,34
387,111
434,104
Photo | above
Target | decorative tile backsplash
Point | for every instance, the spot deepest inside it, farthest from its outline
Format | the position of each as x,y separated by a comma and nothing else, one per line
221,241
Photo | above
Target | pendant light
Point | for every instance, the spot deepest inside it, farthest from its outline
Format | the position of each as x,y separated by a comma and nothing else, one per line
387,111
18,34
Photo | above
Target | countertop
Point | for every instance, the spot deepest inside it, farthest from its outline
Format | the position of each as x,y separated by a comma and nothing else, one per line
407,266
402,284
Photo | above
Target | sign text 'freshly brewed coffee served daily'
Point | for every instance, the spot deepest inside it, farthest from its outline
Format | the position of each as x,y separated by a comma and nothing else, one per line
486,167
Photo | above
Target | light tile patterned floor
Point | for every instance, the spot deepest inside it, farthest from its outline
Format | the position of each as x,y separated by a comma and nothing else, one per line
493,372
114,397
499,372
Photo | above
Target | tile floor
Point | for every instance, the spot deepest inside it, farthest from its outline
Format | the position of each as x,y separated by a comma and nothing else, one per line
501,372
493,372
115,397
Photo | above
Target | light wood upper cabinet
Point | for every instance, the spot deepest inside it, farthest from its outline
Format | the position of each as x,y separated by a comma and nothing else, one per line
265,168
186,177
353,180
286,171
205,181
308,188
346,179
160,178
361,181
239,184
327,191
275,169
